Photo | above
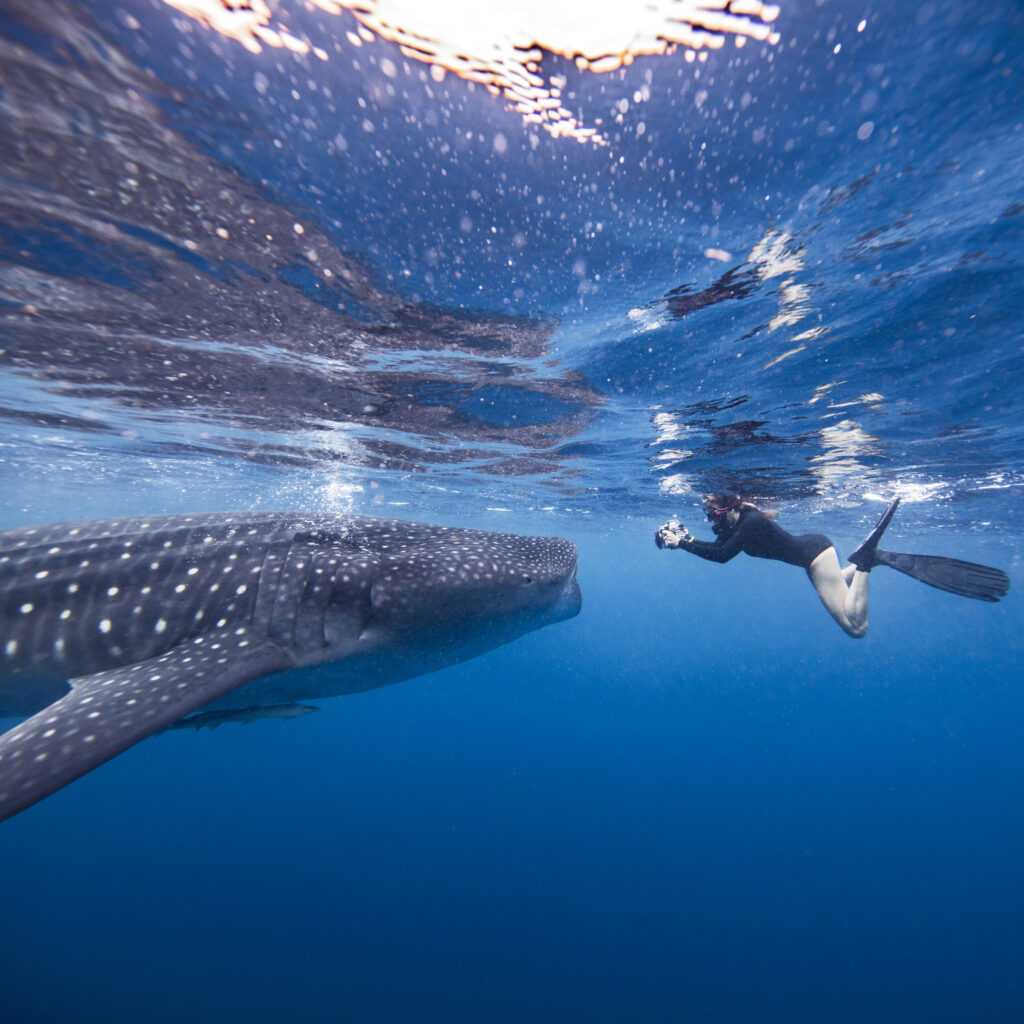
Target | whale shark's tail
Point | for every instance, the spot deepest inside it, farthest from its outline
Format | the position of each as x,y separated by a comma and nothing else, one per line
968,579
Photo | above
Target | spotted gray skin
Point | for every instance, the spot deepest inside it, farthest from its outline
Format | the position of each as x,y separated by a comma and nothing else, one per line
112,629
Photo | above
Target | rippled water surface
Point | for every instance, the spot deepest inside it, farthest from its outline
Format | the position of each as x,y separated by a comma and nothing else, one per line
300,258
793,269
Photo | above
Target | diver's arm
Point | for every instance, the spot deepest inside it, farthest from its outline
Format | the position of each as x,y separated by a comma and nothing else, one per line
715,551
674,535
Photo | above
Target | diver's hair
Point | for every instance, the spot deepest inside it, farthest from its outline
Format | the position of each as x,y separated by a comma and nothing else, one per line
734,502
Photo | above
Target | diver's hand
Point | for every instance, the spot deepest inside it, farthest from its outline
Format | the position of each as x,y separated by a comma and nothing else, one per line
672,535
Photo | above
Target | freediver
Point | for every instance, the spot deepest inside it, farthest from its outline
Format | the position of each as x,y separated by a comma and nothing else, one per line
739,526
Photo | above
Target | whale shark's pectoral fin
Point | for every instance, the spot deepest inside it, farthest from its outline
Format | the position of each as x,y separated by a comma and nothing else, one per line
106,713
241,716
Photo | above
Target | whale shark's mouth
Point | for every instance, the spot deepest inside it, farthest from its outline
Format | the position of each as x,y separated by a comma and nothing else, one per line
571,602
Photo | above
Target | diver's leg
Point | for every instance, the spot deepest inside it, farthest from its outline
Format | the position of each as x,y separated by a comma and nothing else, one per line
848,605
848,572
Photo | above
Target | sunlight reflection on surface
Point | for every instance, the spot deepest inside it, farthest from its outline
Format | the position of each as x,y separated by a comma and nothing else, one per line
503,46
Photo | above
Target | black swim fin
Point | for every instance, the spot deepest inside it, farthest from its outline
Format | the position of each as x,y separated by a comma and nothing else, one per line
968,579
864,556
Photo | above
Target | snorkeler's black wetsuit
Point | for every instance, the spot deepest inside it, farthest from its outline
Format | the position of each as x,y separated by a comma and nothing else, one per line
759,536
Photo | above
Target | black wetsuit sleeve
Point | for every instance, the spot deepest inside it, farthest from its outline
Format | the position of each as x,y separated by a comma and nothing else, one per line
721,550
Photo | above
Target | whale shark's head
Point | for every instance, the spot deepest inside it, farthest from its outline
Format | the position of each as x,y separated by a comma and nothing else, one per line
458,592
477,575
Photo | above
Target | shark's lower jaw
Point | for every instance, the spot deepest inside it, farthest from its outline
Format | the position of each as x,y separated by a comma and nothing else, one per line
568,606
153,618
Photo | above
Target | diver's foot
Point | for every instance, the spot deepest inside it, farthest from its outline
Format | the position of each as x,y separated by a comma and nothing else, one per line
671,535
864,557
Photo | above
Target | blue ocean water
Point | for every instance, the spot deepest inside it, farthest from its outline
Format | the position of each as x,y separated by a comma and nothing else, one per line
232,279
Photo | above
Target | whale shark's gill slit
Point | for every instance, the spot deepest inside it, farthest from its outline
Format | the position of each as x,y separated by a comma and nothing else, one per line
308,631
290,586
266,585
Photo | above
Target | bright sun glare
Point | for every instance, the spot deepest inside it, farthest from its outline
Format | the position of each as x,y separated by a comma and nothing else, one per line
502,46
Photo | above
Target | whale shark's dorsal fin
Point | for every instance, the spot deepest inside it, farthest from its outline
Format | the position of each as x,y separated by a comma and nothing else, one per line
105,713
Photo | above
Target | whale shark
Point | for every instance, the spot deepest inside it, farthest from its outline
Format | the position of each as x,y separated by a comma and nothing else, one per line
113,629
